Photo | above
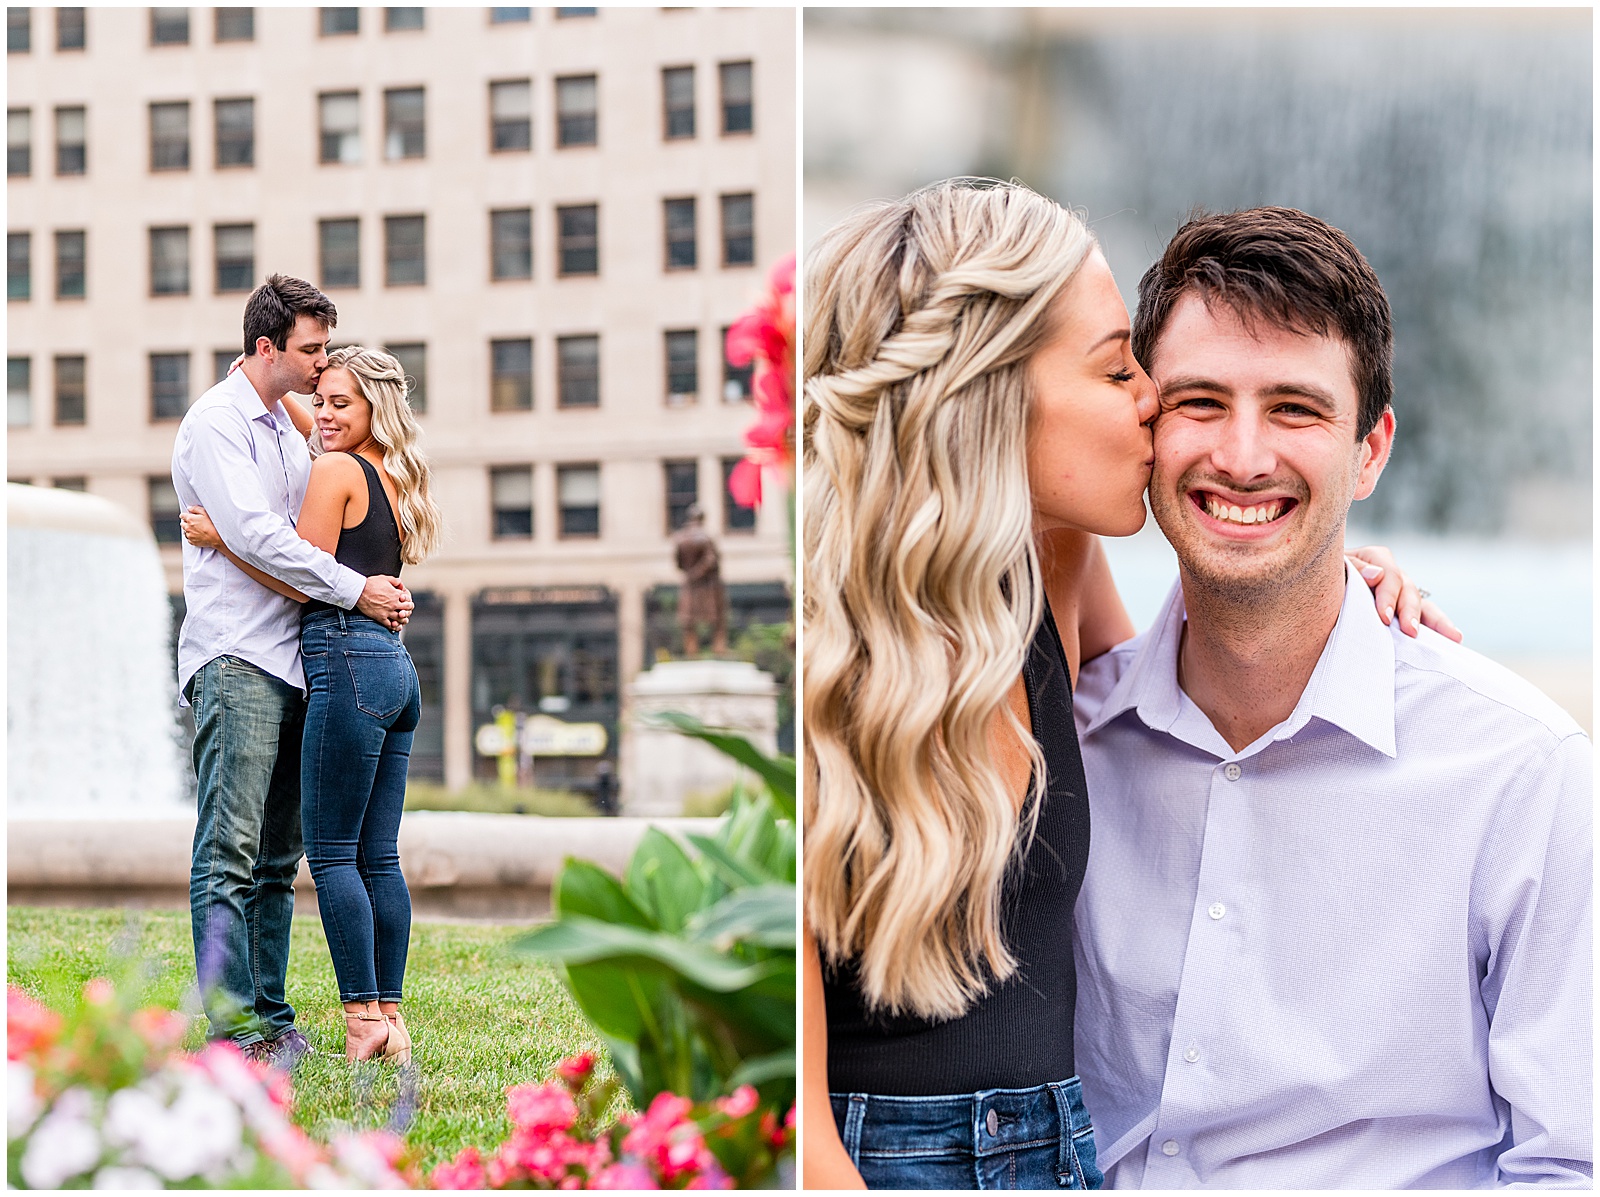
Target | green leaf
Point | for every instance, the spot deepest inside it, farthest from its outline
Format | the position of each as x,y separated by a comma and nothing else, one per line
663,880
763,915
734,872
584,888
760,1069
777,771
579,940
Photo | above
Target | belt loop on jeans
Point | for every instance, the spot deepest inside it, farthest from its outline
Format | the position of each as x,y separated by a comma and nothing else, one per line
344,626
1069,1171
853,1122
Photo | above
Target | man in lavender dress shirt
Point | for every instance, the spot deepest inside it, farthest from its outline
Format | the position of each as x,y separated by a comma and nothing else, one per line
238,455
1336,928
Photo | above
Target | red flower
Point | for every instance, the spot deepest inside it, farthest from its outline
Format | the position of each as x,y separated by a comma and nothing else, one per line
740,1102
744,483
30,1026
575,1070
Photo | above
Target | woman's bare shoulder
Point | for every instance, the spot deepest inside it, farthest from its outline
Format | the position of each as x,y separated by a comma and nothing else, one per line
336,467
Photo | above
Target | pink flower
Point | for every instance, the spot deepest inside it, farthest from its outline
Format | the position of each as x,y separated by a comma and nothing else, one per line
625,1176
98,992
712,1178
541,1107
30,1025
740,1102
463,1172
744,483
162,1029
575,1070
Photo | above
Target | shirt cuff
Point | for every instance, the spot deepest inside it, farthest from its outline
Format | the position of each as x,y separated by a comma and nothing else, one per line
348,586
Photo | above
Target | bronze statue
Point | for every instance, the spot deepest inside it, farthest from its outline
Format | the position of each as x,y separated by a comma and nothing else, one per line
704,598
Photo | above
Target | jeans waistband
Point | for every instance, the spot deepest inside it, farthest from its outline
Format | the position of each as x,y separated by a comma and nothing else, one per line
983,1123
345,621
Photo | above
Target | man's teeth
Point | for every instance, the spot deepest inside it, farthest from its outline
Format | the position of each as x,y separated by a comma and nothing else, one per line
1264,514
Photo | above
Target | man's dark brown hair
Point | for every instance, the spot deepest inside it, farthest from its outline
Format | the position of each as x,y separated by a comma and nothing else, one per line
1289,269
273,307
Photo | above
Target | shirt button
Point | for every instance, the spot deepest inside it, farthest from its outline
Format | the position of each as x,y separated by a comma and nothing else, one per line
1217,910
1170,1147
992,1123
1232,772
1192,1054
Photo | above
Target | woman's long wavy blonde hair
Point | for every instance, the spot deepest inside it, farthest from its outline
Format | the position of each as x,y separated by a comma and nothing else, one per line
922,586
382,382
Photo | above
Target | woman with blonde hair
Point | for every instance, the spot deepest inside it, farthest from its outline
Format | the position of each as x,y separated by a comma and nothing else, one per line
367,503
974,418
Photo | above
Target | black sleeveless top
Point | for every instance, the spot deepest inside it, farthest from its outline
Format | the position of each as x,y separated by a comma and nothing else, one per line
373,545
1020,1035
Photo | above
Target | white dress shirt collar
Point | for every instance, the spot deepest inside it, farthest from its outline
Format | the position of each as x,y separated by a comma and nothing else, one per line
1351,688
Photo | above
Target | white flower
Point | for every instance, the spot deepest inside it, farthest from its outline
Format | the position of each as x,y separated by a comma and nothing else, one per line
196,1133
132,1112
126,1178
63,1145
22,1100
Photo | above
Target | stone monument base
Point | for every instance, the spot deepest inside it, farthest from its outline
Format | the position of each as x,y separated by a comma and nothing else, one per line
663,769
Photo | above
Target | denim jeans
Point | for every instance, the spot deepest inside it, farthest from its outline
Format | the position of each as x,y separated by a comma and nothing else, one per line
1036,1138
362,708
246,845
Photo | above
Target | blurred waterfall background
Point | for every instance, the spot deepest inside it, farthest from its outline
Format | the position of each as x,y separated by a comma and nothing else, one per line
1454,146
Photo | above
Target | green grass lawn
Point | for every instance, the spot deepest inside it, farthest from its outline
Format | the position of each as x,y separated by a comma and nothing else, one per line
481,1016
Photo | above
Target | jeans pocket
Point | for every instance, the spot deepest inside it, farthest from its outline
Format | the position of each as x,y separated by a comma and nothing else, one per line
382,681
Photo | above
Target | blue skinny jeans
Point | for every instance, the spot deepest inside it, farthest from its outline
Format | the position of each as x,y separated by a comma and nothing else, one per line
362,706
246,845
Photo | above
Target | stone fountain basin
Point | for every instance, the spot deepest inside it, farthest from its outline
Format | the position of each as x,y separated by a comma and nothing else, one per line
459,866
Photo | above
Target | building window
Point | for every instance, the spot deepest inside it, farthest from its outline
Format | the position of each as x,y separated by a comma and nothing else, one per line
235,256
337,21
73,482
734,517
578,371
577,110
169,386
510,116
405,133
169,26
169,261
72,265
404,251
739,230
166,513
738,97
72,141
70,403
508,16
683,366
677,102
413,359
70,29
397,19
19,30
19,266
511,495
340,242
169,136
736,380
679,222
683,491
579,231
19,142
564,13
578,493
19,392
234,24
236,133
341,126
511,375
511,243
221,361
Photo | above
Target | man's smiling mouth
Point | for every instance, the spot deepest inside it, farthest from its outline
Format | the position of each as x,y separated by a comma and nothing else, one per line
1234,513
